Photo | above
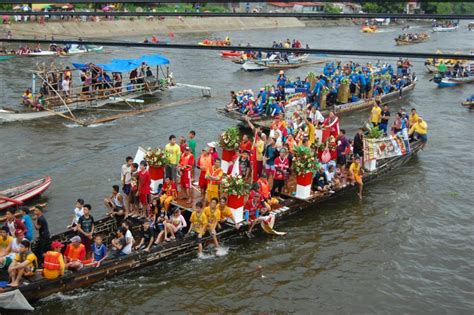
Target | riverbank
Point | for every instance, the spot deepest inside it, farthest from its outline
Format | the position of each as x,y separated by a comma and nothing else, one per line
104,29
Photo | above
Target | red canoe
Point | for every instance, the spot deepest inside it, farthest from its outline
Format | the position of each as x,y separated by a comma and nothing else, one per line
24,192
228,53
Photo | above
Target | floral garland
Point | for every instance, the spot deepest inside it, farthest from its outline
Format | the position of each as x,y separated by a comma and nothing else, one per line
331,142
156,157
230,139
344,81
235,185
304,161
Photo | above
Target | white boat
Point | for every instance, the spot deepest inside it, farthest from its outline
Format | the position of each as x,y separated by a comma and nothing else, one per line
445,29
252,66
41,53
76,49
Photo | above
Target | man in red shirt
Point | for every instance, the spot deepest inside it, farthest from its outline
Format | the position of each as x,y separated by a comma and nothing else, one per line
257,210
186,164
245,144
282,165
144,181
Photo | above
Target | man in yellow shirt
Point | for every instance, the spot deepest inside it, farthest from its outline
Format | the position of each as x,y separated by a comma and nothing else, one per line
355,175
198,224
24,264
214,176
5,240
376,114
413,119
213,215
420,131
173,153
226,213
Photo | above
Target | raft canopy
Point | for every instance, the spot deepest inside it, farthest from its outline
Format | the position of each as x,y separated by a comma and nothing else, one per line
126,65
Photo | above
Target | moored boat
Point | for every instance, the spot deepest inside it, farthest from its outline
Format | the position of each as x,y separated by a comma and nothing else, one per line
445,28
230,54
444,82
38,287
253,66
24,192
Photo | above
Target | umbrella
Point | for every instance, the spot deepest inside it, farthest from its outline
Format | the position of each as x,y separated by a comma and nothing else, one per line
106,9
17,7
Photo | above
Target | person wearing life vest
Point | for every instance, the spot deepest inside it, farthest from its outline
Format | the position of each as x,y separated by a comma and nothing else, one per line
53,266
75,254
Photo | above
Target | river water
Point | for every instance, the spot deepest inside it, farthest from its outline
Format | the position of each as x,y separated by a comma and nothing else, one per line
406,248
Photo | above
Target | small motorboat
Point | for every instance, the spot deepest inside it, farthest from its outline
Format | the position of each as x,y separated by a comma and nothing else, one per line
469,103
76,49
407,41
252,66
445,29
452,81
369,29
24,192
43,53
230,54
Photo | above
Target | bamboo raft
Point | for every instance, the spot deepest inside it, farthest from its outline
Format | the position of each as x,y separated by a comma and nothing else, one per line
39,288
266,121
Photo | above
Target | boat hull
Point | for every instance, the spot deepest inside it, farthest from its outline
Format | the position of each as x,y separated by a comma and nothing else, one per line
444,29
25,192
252,67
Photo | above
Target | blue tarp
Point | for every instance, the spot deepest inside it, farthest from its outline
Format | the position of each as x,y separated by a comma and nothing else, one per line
126,65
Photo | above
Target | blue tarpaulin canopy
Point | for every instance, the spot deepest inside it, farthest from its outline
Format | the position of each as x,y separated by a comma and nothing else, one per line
126,65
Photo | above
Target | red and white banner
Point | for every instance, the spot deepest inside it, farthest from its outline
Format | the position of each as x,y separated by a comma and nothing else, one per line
227,157
157,174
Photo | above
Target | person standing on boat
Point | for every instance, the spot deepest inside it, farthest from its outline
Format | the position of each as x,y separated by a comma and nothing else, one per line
41,225
198,224
376,114
332,122
144,190
282,165
384,119
28,222
355,175
186,165
126,178
204,164
213,217
173,152
86,227
214,177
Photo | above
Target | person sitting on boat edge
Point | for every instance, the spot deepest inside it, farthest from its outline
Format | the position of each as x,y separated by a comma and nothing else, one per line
169,192
13,222
355,174
198,224
99,251
24,264
5,241
226,213
175,225
213,217
75,254
27,98
115,204
147,237
78,213
53,266
420,131
121,248
255,210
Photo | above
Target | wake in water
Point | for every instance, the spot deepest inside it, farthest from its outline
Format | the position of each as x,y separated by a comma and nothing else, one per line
72,125
221,251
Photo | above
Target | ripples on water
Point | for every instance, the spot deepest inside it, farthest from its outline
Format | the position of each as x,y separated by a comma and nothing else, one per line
407,248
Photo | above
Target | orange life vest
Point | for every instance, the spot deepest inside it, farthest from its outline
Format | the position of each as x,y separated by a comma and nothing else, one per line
264,187
205,162
51,260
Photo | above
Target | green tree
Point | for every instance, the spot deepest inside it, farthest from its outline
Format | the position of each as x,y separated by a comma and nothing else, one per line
329,8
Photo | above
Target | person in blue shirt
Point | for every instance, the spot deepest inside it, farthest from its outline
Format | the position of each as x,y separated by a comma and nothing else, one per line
362,83
28,222
275,109
281,79
99,251
354,77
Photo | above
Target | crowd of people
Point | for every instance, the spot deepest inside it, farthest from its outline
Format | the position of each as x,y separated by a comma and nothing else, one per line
361,81
412,36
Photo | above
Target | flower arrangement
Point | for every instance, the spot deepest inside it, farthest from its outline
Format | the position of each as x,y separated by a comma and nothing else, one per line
235,185
156,157
344,81
230,139
304,161
324,90
332,144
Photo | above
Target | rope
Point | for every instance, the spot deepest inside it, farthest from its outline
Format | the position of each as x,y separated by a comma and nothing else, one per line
238,14
257,48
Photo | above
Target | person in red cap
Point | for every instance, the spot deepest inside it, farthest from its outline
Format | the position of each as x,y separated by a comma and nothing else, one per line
53,265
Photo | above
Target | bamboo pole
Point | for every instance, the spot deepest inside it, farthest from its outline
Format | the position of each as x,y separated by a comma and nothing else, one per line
59,95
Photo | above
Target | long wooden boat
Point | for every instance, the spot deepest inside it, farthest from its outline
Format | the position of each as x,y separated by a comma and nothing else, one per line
24,192
40,288
445,29
265,121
